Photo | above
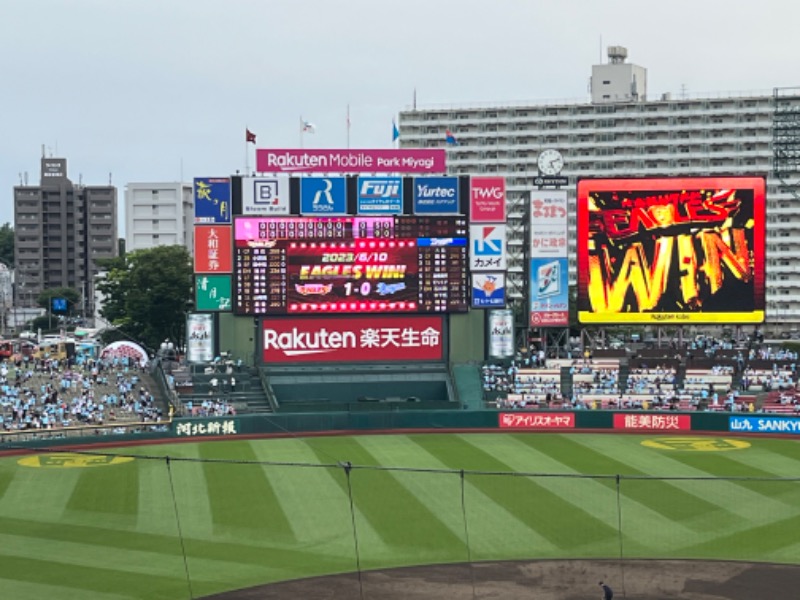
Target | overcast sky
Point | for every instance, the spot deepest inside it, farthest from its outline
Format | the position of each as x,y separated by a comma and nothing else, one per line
156,90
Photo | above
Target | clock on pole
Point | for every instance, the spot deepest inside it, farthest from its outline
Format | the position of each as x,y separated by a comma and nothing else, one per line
550,162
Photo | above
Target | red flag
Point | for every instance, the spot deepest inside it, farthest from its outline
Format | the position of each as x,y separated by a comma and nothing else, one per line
251,137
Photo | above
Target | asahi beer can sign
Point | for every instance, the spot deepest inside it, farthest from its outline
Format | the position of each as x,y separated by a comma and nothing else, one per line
501,333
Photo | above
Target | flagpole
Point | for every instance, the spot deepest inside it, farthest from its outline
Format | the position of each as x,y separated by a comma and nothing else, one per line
246,153
301,131
348,126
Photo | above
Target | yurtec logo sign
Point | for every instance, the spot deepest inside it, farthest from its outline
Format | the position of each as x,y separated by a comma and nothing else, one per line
436,195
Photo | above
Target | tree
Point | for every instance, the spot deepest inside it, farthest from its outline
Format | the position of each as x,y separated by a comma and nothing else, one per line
147,294
7,244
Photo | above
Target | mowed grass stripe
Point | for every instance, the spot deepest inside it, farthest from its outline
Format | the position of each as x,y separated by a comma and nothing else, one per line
156,509
600,493
764,456
734,504
191,495
773,541
26,590
768,495
677,505
91,579
37,491
6,477
241,498
162,544
530,502
403,523
112,491
312,498
441,493
145,563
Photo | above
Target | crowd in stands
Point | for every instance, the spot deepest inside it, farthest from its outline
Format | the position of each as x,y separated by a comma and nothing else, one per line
51,393
535,381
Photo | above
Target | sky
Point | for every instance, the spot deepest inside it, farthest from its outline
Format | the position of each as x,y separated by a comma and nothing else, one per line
163,90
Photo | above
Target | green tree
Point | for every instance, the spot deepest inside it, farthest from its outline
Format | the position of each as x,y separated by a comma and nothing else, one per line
7,244
147,294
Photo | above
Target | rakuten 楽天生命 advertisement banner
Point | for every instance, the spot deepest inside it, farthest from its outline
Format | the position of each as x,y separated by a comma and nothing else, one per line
294,160
355,339
677,250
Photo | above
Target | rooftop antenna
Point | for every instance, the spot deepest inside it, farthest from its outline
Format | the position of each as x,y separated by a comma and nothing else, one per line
20,179
683,91
80,178
601,48
26,178
43,153
109,178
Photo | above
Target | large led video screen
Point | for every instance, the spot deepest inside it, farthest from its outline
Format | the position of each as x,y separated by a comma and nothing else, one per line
353,265
673,250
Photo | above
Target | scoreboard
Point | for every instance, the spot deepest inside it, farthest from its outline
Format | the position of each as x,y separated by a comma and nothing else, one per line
329,265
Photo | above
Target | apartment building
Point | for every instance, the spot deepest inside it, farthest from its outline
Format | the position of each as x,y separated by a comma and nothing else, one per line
621,132
159,214
61,229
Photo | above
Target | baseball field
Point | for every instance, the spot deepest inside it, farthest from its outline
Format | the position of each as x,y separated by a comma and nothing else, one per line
226,515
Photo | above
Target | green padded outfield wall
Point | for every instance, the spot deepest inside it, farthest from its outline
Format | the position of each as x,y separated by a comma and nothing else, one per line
468,336
238,336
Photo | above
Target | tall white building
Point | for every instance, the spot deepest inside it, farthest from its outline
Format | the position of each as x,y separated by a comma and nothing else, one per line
159,214
623,133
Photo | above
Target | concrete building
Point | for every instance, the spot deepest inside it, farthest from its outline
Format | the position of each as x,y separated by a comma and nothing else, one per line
621,132
159,214
60,230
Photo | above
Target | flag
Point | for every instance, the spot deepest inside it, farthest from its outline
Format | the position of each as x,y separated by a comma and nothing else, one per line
395,131
250,137
307,126
348,116
449,138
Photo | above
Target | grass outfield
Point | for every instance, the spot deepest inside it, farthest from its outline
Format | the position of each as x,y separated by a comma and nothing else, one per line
109,532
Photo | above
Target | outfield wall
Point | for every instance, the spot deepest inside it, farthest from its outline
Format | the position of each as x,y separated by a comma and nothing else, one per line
433,420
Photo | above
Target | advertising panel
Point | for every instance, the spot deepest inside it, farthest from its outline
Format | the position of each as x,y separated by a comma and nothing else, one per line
651,421
549,293
683,250
318,265
487,199
323,196
406,160
548,224
488,248
488,290
199,338
212,200
213,252
380,195
764,424
436,196
536,421
212,292
501,333
352,339
265,195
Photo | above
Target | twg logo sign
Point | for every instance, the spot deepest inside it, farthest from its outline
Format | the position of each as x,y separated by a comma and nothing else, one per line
487,200
380,196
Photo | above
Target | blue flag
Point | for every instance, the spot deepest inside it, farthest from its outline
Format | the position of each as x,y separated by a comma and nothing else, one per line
395,131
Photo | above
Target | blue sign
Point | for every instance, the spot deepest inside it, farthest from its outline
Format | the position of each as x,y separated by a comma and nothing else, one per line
380,196
322,196
488,290
436,196
212,200
764,424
